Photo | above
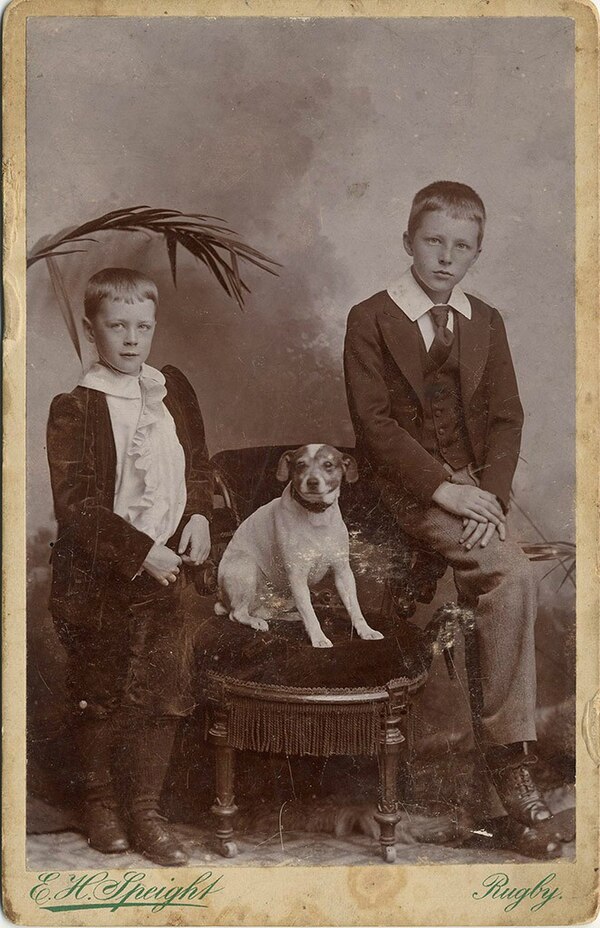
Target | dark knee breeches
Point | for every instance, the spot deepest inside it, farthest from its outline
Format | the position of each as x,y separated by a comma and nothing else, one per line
135,655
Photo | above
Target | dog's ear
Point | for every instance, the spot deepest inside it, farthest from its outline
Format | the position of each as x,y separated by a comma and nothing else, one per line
350,468
283,468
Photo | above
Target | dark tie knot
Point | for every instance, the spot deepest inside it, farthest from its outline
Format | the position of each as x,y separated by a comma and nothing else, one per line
440,315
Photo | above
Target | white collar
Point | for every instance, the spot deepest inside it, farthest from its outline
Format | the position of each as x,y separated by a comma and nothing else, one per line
414,302
102,378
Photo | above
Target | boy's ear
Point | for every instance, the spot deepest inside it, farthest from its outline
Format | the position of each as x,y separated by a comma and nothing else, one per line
475,256
87,328
407,244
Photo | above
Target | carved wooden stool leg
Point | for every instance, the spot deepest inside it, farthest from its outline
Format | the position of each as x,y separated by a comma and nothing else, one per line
388,814
224,807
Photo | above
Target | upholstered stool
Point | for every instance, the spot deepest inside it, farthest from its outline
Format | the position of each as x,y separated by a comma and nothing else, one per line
274,693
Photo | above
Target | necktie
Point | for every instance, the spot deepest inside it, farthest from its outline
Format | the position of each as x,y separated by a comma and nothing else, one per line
442,342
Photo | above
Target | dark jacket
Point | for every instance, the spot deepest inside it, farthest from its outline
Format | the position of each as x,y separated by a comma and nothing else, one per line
384,383
97,553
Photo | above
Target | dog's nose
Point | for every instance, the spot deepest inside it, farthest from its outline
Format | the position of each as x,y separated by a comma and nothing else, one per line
312,483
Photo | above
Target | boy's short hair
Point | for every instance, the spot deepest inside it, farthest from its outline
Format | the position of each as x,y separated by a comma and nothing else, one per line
118,283
457,199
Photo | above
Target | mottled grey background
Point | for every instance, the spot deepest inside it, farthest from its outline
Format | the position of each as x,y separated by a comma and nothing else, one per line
309,137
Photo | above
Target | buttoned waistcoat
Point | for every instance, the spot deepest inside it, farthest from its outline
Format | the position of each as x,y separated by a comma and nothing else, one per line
385,390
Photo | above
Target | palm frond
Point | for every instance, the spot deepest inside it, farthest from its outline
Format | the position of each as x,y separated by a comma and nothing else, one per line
563,552
548,550
171,241
568,575
55,254
207,238
64,303
556,550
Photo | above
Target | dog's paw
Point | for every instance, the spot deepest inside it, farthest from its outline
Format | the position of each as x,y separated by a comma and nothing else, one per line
321,642
369,634
260,625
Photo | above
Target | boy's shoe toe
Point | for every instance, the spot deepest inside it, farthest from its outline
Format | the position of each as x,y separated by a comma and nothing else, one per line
539,843
104,829
152,837
520,796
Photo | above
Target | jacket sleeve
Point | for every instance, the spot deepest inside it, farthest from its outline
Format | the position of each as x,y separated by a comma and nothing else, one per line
390,446
94,528
199,474
505,417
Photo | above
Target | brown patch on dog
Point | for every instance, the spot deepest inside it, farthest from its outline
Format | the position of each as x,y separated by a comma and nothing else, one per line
330,464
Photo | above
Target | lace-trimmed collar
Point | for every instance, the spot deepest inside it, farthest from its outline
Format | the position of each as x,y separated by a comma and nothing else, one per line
102,378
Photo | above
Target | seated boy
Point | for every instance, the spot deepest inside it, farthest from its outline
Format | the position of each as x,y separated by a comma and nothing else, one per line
435,406
132,491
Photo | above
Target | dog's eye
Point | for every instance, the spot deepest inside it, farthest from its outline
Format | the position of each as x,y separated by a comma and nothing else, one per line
328,465
300,465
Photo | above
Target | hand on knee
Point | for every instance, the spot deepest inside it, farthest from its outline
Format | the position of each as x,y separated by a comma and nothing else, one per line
480,533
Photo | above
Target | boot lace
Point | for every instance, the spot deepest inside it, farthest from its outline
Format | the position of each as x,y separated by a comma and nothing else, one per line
524,784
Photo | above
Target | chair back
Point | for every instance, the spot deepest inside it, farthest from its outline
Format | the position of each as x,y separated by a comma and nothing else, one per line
249,474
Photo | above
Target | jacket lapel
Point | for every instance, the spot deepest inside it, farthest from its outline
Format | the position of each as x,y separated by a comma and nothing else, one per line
103,443
402,338
474,334
173,404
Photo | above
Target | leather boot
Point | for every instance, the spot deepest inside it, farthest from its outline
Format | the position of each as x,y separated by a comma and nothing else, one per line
95,739
148,743
151,836
538,843
510,769
103,826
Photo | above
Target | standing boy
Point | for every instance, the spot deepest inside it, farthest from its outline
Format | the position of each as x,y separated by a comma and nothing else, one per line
132,489
435,406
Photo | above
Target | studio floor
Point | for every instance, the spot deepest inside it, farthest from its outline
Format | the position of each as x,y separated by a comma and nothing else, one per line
68,850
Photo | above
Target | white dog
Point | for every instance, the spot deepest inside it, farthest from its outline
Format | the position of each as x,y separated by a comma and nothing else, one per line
289,545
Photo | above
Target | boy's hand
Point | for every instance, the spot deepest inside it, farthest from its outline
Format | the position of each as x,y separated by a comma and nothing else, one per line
482,532
196,537
469,502
162,564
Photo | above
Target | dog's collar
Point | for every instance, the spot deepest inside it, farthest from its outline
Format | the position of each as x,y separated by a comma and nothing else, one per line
311,507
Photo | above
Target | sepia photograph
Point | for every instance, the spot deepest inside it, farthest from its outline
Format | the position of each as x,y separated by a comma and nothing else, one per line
301,325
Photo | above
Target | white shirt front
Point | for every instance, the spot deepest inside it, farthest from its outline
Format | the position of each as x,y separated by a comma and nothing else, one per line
414,303
150,491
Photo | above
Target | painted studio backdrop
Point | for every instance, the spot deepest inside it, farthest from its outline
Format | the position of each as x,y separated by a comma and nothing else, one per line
309,138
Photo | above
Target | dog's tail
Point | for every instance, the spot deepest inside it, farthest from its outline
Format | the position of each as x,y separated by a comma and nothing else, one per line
220,609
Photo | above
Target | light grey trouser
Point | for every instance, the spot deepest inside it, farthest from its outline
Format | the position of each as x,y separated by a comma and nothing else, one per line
499,581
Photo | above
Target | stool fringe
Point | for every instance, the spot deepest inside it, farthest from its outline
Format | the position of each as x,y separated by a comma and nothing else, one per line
317,730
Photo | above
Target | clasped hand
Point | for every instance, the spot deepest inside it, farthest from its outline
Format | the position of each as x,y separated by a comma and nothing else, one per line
194,548
480,510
